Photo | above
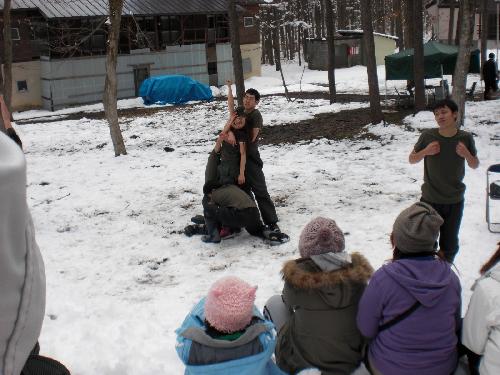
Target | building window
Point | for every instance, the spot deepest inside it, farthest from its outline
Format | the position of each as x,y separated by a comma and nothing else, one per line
248,21
22,86
222,25
212,68
15,33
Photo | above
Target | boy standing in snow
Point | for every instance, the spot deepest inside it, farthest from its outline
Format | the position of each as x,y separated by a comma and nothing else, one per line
254,175
445,151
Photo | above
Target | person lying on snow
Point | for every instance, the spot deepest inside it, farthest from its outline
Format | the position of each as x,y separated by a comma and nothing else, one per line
226,334
228,205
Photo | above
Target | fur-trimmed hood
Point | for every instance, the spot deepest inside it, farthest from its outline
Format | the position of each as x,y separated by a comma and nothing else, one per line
304,274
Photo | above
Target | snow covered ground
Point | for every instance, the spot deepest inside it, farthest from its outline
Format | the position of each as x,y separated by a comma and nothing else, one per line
120,276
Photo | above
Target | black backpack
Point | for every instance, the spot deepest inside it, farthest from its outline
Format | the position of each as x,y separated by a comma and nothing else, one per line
40,365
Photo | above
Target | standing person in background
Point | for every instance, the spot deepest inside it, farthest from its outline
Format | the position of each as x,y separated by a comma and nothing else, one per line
6,125
255,178
481,325
411,308
490,76
444,151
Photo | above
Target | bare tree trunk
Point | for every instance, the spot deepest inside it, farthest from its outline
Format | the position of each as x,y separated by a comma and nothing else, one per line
318,20
398,12
463,58
379,14
269,47
371,65
409,24
236,52
330,38
459,22
111,83
484,31
418,55
341,14
451,22
7,55
299,36
276,41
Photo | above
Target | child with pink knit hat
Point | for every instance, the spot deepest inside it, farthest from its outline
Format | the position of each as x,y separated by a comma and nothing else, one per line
226,334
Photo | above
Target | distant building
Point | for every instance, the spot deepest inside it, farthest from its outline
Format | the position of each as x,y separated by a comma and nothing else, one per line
349,49
439,14
59,46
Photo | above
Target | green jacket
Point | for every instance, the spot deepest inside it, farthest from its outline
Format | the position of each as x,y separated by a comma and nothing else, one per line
322,330
232,196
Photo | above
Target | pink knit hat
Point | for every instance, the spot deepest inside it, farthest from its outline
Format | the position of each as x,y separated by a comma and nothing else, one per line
321,235
229,304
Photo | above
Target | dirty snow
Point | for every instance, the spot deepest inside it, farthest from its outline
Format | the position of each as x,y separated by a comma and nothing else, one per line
120,277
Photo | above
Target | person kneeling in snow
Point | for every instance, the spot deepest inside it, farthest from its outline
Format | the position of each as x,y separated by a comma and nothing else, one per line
226,334
228,205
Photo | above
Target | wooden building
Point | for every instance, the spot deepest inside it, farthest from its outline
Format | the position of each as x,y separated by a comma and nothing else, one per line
59,46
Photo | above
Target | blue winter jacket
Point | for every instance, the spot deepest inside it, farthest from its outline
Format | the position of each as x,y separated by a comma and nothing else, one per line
250,354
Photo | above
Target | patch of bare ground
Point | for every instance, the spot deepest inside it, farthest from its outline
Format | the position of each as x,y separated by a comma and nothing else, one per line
336,126
346,124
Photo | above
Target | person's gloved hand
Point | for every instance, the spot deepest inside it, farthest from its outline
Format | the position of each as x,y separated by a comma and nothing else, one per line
13,135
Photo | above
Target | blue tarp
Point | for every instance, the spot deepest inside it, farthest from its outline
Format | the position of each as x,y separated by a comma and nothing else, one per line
174,89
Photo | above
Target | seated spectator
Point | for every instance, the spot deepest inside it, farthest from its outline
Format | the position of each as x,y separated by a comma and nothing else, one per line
316,315
225,333
411,308
22,275
6,124
481,325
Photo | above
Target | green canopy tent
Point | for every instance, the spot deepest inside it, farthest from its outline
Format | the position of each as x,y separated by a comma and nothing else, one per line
439,59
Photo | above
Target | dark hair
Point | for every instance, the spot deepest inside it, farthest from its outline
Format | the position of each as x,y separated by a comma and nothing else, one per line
215,333
240,111
446,103
253,92
495,258
209,186
491,55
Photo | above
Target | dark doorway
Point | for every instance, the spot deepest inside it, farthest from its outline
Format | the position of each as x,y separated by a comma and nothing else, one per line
140,74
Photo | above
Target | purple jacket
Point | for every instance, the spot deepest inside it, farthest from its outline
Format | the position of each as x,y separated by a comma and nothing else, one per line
425,341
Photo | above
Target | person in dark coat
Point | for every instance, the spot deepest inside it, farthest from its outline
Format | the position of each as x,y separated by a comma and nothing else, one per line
6,125
320,297
490,76
228,205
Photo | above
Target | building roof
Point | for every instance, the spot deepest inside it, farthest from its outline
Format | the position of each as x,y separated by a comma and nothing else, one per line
360,32
92,8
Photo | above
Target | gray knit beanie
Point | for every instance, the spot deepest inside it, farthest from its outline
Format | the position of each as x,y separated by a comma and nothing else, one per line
416,229
321,235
